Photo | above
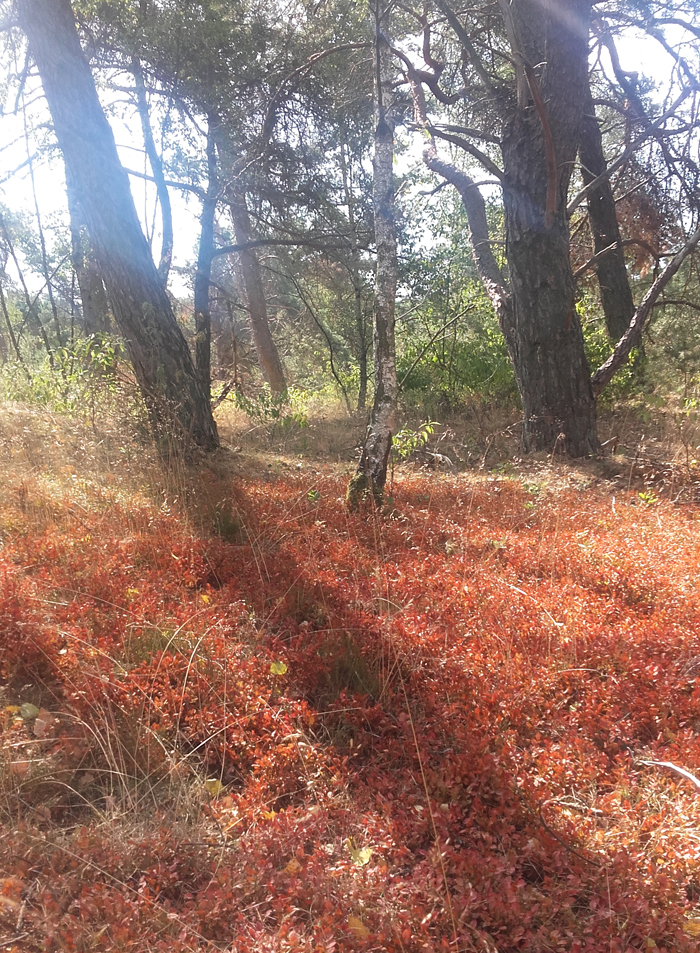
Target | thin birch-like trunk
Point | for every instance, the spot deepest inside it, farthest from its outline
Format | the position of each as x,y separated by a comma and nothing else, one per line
202,280
372,470
166,214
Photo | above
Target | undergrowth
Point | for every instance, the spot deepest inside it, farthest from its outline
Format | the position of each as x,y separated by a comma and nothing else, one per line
237,717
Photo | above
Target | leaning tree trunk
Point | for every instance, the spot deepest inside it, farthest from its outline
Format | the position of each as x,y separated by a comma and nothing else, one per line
615,293
93,296
539,144
178,406
372,471
265,346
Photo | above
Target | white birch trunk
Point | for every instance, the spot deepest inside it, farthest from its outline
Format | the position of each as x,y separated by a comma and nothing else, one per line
372,471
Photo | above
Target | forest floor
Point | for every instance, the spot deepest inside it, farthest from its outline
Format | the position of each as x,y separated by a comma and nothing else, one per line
235,716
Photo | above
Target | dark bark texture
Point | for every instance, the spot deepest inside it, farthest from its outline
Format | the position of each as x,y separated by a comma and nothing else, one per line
541,326
268,355
205,256
379,438
95,306
615,293
179,408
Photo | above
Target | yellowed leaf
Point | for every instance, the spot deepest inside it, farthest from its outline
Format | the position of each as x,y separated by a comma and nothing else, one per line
360,856
358,927
278,668
214,786
293,867
692,926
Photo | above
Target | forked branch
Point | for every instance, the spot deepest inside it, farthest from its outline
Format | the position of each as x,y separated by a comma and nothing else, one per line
633,335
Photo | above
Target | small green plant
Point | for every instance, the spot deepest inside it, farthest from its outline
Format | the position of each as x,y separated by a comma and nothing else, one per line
648,498
275,412
81,378
406,442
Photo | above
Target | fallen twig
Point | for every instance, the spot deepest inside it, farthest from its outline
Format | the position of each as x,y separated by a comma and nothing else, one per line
673,767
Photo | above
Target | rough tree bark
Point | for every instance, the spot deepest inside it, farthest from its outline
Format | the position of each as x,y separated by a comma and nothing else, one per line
178,406
539,140
205,256
268,355
539,144
615,293
372,470
95,306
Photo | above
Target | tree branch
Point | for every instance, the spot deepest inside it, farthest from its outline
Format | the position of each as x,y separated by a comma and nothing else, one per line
633,335
594,259
272,242
184,186
271,113
463,38
480,156
156,162
654,129
474,206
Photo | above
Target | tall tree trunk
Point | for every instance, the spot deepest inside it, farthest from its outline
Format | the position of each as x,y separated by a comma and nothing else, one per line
539,146
535,304
372,469
356,279
166,214
202,312
267,352
11,332
178,406
615,293
92,290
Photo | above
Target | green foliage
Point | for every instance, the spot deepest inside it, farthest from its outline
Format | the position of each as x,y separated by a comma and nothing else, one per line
84,375
406,442
449,345
275,412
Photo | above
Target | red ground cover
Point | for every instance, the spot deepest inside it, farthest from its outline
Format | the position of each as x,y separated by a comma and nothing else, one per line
423,731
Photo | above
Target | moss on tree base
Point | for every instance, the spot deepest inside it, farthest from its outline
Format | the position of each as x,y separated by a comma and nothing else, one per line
360,488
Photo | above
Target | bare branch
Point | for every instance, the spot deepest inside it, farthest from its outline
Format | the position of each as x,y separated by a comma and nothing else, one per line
480,156
633,335
676,768
474,206
654,129
183,186
594,259
463,38
319,244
